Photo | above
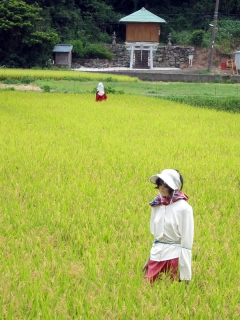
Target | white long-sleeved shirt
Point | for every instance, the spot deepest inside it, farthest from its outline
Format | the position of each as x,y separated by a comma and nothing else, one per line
174,226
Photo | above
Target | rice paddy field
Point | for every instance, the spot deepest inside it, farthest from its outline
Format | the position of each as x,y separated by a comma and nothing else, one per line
74,206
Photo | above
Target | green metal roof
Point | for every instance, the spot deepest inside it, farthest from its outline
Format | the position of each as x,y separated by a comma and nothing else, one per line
63,48
142,15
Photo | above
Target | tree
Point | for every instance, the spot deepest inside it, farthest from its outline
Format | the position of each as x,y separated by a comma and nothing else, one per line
22,40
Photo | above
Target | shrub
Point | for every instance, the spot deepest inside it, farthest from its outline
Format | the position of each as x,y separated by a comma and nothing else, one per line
206,40
10,81
95,50
78,49
26,80
227,36
197,38
46,88
226,45
104,38
181,38
229,26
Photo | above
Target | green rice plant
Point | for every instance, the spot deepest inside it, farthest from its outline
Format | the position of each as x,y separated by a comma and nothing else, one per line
60,74
230,104
74,212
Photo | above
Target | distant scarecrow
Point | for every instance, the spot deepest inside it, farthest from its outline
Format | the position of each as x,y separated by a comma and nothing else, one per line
100,94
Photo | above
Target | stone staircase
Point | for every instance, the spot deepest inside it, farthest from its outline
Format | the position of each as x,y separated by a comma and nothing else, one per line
141,59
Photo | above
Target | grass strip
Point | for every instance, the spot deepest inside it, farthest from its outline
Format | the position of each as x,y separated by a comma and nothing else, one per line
229,104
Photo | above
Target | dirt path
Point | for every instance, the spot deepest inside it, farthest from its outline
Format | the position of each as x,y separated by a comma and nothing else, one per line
28,87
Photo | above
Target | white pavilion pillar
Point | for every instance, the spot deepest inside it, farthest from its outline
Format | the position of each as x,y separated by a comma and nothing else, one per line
131,58
151,57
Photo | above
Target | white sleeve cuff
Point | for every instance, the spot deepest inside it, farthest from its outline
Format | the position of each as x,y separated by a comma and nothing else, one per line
185,264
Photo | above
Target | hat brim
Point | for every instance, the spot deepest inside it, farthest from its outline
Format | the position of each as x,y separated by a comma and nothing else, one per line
166,178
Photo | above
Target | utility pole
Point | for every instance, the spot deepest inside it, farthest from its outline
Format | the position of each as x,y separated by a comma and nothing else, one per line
213,36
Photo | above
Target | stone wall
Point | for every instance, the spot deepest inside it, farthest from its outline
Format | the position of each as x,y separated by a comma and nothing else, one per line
121,59
164,56
171,56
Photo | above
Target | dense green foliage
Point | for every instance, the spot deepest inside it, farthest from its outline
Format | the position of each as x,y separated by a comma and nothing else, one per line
29,29
97,50
197,37
25,39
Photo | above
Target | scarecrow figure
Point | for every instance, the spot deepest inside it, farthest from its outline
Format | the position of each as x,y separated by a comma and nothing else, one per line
100,94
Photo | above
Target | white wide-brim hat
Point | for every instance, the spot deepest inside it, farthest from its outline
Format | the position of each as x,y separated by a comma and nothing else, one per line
170,176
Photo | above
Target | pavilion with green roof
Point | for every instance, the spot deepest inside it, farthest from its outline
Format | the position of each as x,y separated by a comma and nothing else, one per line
142,37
